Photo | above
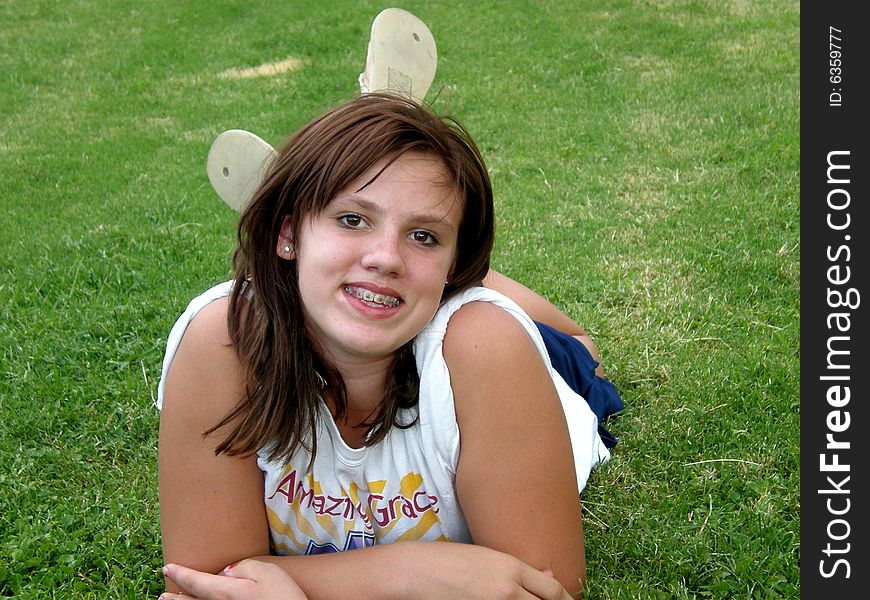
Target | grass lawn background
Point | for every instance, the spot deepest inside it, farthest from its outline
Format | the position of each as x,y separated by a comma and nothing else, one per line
645,159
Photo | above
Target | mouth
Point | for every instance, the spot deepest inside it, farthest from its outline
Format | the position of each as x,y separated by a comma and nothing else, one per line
370,298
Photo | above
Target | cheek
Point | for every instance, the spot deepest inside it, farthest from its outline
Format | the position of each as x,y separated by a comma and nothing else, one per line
315,256
434,276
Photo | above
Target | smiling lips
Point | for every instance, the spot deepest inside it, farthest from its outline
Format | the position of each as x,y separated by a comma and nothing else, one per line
373,299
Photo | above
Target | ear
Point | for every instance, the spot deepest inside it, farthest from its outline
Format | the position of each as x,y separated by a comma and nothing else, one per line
451,272
285,248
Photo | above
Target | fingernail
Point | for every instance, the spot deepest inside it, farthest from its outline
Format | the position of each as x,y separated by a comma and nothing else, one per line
230,567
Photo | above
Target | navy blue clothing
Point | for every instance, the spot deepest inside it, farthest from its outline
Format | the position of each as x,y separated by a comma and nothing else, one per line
573,362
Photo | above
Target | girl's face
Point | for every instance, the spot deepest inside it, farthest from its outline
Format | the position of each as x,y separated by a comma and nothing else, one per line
372,265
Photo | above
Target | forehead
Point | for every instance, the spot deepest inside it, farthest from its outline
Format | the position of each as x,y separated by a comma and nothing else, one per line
415,182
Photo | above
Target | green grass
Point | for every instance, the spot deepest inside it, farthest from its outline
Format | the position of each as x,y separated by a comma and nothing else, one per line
645,157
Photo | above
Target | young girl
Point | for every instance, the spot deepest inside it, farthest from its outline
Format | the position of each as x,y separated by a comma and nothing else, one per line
355,388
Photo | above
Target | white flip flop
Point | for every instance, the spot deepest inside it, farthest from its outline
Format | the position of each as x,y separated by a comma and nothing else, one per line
236,163
401,56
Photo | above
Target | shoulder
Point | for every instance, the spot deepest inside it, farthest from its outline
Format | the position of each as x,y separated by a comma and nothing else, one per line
496,372
209,325
484,334
206,339
205,365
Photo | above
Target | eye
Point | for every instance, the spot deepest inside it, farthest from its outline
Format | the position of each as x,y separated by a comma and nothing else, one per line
351,221
425,238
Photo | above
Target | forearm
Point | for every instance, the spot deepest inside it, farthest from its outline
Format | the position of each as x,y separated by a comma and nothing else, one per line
352,574
419,570
542,310
536,306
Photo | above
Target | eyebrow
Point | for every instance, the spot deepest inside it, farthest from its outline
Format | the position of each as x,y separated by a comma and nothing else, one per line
369,206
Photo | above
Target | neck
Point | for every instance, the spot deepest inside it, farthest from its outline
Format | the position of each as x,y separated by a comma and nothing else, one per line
365,384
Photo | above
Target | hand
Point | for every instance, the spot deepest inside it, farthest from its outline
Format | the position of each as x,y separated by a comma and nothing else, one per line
436,570
247,580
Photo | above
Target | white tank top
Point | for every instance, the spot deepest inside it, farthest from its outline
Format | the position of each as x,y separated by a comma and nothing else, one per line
402,488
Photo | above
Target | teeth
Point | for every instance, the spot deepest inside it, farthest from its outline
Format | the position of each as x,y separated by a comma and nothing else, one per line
372,297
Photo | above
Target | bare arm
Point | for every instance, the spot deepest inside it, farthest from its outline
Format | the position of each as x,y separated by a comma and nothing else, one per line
515,479
211,507
542,310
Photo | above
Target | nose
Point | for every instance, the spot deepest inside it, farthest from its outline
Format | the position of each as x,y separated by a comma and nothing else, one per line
384,255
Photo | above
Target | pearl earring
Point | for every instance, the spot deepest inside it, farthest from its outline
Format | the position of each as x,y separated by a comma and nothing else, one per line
287,249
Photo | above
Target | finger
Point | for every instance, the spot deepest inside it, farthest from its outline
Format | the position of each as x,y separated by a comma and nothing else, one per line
543,586
201,585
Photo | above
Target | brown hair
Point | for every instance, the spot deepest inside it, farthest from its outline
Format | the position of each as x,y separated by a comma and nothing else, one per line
284,373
